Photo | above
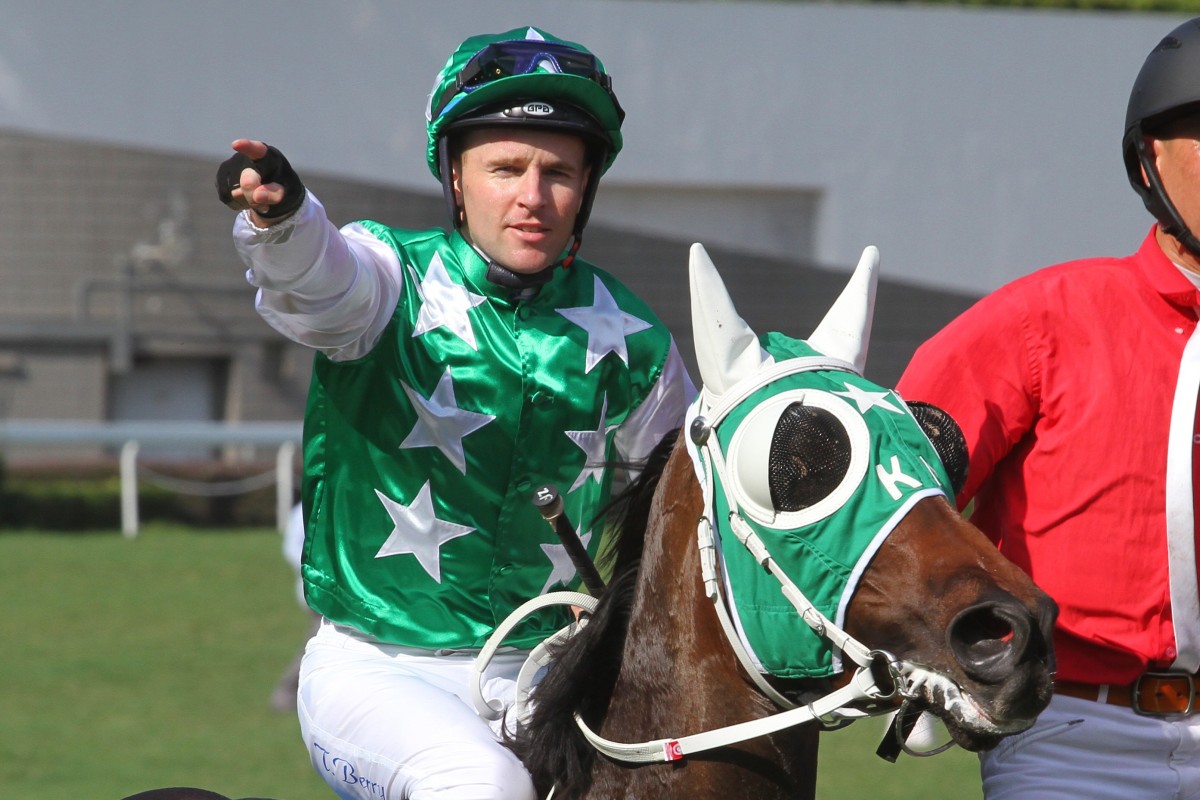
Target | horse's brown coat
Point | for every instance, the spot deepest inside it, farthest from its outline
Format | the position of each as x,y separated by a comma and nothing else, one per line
678,675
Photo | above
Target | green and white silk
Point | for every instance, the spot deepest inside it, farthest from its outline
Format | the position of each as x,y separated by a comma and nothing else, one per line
823,549
421,457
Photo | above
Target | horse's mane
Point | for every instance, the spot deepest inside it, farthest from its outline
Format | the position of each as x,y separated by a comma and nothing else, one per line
585,668
629,511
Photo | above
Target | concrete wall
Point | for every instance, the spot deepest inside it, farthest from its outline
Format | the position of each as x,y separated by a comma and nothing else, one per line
124,298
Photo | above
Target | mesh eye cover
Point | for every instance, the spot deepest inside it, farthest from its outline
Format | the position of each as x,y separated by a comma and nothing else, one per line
947,439
846,460
810,455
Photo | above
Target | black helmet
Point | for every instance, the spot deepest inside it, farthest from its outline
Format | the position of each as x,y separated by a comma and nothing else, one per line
1167,88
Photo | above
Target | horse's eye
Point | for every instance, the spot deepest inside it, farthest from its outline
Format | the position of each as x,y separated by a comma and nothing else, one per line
810,454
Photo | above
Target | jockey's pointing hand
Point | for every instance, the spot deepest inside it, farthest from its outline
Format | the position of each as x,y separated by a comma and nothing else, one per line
259,178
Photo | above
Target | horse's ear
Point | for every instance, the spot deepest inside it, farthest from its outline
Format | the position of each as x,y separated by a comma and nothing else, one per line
845,333
727,350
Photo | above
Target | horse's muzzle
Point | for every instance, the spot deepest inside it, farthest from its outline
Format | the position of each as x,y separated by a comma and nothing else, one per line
999,639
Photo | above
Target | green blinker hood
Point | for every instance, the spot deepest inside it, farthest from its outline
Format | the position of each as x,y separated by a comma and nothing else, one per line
824,547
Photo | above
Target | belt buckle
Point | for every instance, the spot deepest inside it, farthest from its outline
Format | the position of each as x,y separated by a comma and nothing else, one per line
1141,693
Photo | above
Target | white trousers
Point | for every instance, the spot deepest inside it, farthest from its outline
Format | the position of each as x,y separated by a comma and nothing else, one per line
383,722
1084,749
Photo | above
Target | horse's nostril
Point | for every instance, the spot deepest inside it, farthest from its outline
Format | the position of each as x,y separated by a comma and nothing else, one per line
989,640
984,632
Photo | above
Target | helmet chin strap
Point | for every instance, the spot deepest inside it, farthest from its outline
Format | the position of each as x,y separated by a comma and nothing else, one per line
501,275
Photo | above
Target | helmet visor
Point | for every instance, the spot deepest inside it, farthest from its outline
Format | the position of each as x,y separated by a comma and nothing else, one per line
523,57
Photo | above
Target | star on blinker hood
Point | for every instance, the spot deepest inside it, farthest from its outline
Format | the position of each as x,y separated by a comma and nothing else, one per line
867,400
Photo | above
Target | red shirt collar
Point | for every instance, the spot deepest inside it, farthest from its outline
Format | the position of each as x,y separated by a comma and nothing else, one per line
1163,275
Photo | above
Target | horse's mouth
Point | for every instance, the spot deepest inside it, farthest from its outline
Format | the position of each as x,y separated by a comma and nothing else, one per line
972,726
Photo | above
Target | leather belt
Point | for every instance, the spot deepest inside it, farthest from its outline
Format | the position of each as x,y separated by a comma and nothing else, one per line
1154,694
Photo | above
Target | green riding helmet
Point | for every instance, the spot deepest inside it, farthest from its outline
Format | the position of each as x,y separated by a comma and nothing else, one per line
528,78
508,69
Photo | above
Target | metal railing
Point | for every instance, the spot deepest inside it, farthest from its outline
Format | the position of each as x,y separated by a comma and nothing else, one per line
131,436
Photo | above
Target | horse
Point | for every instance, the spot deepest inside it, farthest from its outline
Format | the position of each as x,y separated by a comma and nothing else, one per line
800,512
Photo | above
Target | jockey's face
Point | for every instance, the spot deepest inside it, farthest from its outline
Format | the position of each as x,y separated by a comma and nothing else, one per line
520,190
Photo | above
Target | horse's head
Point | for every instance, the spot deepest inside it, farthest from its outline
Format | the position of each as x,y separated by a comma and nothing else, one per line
833,531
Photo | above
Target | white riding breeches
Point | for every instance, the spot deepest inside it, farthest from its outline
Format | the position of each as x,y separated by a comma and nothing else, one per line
384,722
1081,748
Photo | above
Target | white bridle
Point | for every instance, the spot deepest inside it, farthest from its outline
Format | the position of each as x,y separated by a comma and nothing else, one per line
860,697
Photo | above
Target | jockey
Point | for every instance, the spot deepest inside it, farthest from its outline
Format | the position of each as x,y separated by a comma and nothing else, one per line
455,371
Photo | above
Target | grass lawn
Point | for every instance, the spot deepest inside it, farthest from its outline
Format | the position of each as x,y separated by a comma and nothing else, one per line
135,664
850,770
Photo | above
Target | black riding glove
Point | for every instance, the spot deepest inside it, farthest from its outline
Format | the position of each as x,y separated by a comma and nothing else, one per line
273,168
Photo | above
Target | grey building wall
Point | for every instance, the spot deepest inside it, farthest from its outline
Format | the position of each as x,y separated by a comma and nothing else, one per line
971,145
123,301
123,295
124,298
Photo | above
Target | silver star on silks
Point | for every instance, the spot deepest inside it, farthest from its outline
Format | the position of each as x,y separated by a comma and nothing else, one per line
593,444
606,325
441,423
444,303
418,531
564,569
867,400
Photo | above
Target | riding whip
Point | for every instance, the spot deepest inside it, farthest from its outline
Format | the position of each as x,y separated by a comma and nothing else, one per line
549,503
